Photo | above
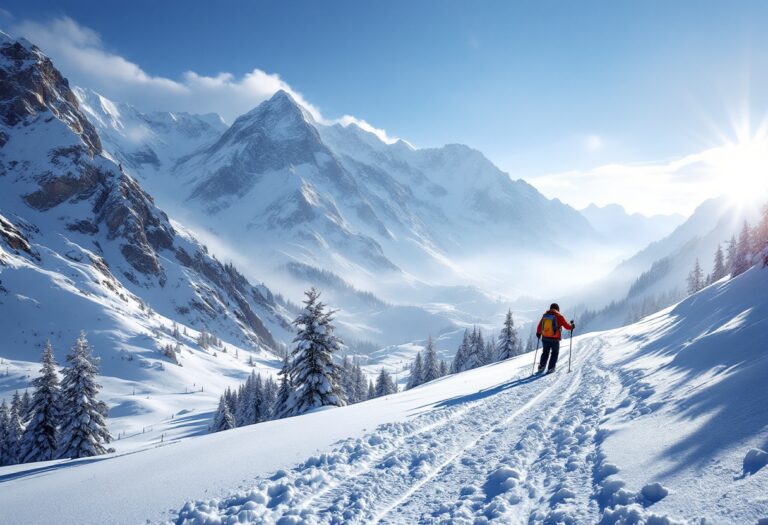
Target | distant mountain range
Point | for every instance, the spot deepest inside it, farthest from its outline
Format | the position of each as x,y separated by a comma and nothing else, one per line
635,231
332,196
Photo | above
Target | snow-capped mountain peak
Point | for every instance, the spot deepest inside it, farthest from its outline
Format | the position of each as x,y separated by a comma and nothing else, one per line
83,246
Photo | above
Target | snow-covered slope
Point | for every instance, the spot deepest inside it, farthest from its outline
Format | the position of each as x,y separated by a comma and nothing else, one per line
83,247
660,270
664,421
147,144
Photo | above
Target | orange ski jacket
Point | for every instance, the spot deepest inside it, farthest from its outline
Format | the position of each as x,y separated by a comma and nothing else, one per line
562,322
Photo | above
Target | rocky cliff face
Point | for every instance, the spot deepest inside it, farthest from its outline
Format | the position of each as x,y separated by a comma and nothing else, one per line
55,180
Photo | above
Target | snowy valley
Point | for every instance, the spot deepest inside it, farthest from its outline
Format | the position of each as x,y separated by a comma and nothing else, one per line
182,247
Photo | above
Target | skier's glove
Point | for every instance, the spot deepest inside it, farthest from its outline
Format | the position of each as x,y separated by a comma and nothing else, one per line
573,325
538,336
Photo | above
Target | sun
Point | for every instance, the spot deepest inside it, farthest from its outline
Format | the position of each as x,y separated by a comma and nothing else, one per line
740,168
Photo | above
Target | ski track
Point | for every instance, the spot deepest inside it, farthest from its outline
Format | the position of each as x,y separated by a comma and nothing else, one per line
527,454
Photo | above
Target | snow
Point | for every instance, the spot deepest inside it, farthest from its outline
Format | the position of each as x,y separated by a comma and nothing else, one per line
660,422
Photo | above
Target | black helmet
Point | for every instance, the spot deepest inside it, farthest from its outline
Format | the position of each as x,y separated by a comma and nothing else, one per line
554,306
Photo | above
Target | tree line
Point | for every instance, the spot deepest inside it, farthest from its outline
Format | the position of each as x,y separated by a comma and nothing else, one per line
310,378
750,248
60,419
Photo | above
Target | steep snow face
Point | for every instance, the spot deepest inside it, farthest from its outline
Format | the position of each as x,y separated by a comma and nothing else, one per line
659,422
82,246
271,177
147,144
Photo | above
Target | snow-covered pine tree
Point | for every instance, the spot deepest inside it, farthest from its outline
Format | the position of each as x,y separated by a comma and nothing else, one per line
83,430
718,268
743,259
269,395
40,438
256,401
314,375
462,354
414,379
5,452
371,390
730,255
26,407
204,340
509,342
476,352
223,418
384,384
431,369
284,390
695,278
347,373
13,431
230,397
760,237
361,384
490,350
443,368
243,405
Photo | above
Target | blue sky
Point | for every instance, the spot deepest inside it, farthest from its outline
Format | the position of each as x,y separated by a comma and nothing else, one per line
541,88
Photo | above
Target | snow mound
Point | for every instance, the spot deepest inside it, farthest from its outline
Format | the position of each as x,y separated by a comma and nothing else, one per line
755,460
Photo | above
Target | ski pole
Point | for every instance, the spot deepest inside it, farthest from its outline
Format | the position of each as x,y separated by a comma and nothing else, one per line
534,356
570,351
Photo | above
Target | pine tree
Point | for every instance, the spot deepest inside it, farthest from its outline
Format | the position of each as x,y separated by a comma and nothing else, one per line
431,370
269,395
40,438
371,390
730,255
489,355
509,342
384,384
462,354
718,268
760,237
743,259
443,368
284,391
314,376
223,418
361,384
475,352
256,401
26,407
5,453
83,429
695,279
14,431
348,379
414,379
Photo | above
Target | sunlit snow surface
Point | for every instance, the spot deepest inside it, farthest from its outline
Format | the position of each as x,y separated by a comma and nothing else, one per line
663,421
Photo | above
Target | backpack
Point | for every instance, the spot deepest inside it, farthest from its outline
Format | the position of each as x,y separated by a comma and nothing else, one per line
549,325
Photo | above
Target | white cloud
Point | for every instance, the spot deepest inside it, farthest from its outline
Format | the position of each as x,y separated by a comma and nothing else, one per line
81,54
346,120
676,186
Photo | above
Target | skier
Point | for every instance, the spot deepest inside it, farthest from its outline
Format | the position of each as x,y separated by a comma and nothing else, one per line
549,331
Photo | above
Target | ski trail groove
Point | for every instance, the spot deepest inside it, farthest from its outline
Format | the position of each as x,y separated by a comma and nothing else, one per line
377,518
487,458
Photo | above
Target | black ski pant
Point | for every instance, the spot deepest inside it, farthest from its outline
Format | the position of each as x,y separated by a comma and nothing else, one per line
549,347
